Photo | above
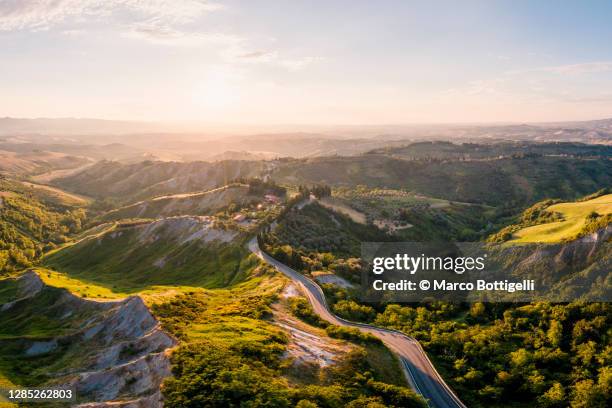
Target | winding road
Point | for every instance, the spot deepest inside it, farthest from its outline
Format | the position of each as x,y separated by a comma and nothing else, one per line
419,370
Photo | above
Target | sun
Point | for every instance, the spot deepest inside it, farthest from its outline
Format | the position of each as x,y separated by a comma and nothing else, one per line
218,90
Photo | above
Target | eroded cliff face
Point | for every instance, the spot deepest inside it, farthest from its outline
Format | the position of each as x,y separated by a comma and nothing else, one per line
108,351
579,269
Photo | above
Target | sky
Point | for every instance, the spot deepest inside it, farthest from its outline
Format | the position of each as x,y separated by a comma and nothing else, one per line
306,62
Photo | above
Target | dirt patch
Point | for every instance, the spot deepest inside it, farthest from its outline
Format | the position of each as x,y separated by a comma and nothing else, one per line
289,291
391,226
326,277
341,208
185,229
308,346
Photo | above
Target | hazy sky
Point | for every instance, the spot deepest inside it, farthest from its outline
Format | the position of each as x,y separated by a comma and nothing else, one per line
306,62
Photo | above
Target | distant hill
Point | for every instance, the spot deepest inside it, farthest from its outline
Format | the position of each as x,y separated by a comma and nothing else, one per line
201,203
443,150
71,126
189,143
138,181
242,155
513,181
33,162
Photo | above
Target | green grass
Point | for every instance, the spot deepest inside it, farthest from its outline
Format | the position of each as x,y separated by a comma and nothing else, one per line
35,319
57,196
574,220
8,290
231,316
225,316
82,288
120,262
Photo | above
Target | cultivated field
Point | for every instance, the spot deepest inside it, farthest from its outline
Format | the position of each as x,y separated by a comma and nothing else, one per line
574,218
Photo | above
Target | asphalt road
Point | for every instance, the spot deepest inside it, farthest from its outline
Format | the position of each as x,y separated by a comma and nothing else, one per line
420,372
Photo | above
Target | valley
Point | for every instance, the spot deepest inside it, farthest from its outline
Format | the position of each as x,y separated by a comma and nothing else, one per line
249,270
356,204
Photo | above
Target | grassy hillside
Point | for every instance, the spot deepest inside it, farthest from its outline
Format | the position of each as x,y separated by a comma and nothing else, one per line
49,336
131,182
574,217
507,182
199,203
554,221
180,251
238,347
56,196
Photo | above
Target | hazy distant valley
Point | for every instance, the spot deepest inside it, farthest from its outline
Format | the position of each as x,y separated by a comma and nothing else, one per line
34,146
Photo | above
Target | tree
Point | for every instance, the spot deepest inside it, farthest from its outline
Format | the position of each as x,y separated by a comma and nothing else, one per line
478,310
554,397
586,394
555,333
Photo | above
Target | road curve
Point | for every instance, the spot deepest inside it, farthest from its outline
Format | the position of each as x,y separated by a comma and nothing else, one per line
420,372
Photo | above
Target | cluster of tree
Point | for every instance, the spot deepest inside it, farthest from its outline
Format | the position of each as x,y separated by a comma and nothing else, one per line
594,222
302,309
259,187
205,374
307,262
598,193
554,355
351,310
318,190
285,254
317,229
28,228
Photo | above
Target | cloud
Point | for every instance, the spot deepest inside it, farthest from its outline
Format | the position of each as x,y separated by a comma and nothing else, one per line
298,63
73,33
571,69
239,53
258,56
161,33
161,22
43,14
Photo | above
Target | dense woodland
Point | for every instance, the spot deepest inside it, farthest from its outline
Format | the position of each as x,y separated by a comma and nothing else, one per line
29,226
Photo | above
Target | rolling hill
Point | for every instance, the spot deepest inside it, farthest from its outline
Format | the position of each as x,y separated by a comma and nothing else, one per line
198,203
36,161
511,182
131,182
574,218
176,251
